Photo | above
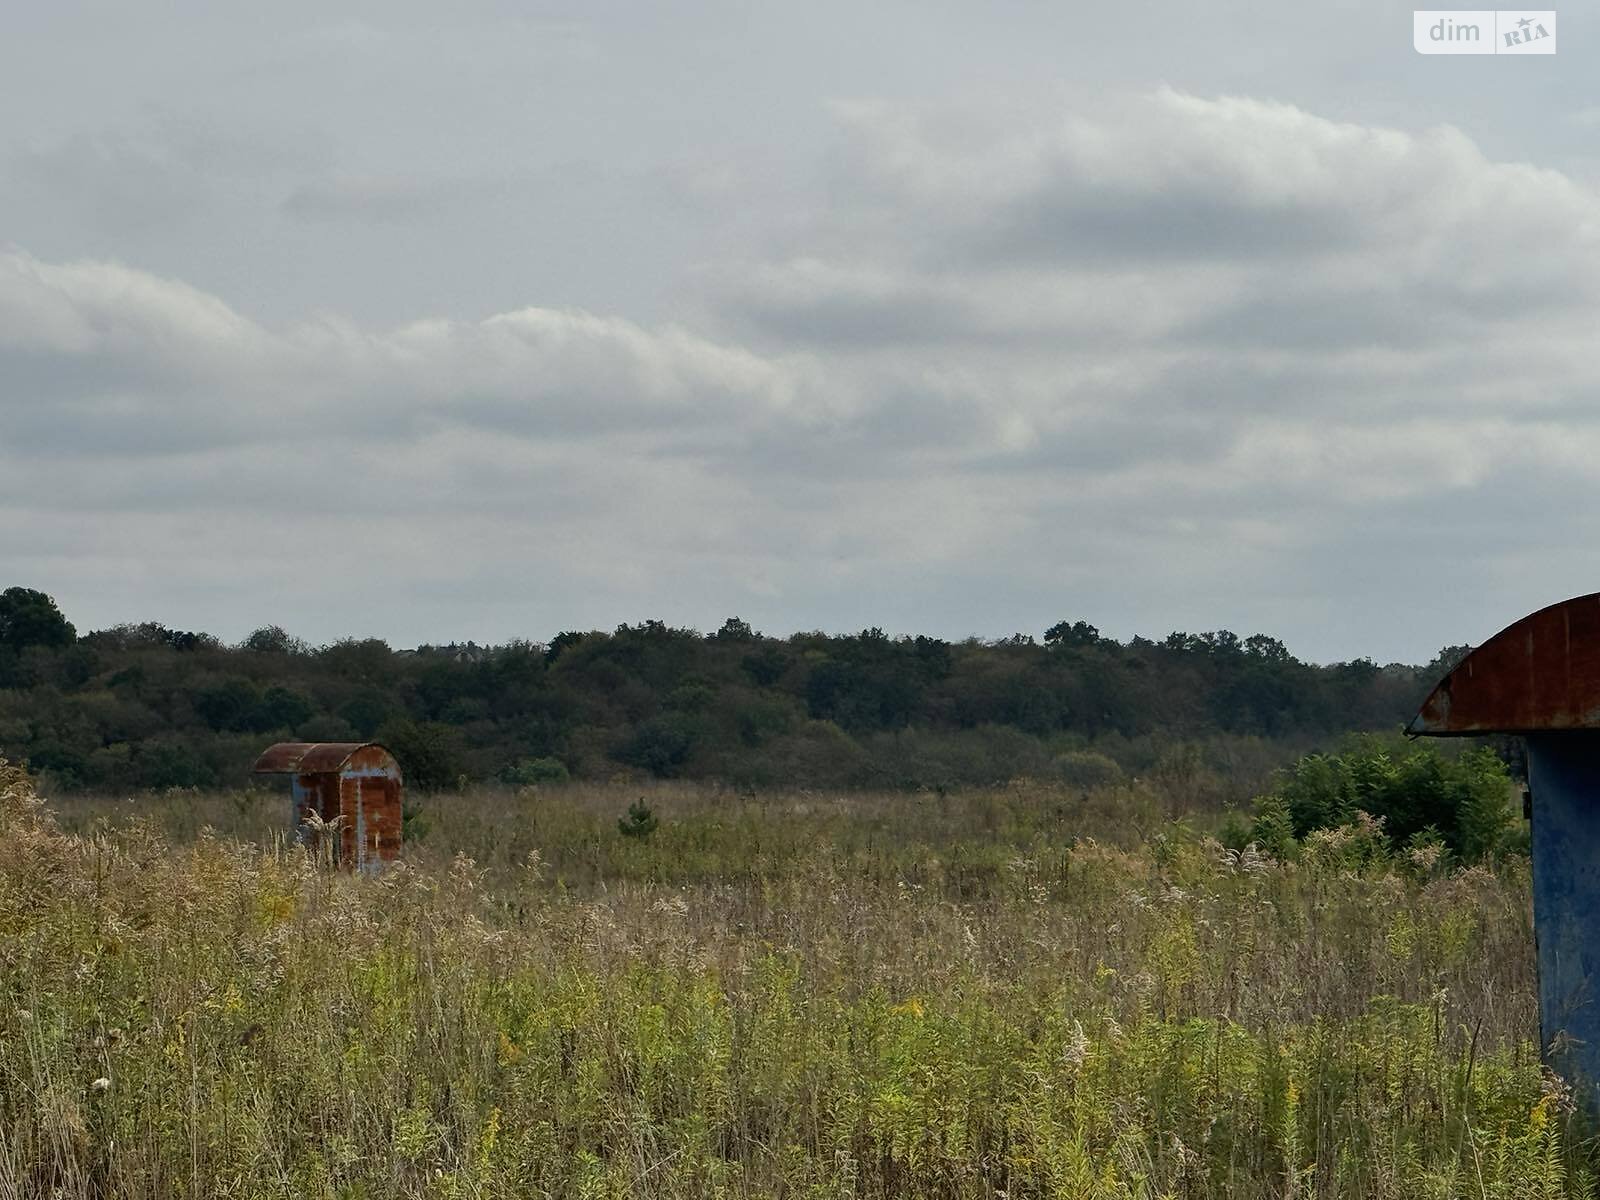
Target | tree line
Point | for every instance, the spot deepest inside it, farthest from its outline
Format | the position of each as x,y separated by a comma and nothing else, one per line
144,706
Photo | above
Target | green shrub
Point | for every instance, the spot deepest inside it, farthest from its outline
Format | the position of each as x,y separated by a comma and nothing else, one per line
530,772
1464,801
1087,770
639,823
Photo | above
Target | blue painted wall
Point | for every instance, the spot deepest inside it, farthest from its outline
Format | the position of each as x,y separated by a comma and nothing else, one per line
1564,778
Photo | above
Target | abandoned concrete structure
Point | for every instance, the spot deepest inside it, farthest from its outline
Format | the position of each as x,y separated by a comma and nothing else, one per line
356,784
1540,677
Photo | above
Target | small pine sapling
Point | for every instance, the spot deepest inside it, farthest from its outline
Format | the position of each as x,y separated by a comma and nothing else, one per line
640,821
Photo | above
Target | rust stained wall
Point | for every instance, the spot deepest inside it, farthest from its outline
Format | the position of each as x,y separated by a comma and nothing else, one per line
365,791
1541,673
370,804
357,783
369,798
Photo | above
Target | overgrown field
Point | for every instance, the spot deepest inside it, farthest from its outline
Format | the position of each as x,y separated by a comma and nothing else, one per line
1019,993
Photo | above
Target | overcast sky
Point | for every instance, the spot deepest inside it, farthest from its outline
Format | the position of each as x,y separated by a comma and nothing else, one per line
437,322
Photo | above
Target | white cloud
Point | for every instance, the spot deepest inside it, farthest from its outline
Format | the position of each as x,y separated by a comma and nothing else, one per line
151,348
1056,364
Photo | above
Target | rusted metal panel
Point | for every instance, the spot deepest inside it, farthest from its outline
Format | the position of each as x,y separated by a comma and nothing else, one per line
308,757
356,783
381,819
371,758
1541,673
370,832
1541,677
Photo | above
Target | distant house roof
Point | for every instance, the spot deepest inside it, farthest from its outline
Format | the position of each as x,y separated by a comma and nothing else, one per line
1539,673
307,758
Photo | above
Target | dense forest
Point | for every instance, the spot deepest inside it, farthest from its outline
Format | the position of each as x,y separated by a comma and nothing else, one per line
148,707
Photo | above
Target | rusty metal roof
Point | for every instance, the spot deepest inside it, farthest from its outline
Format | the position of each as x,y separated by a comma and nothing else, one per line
1543,672
308,758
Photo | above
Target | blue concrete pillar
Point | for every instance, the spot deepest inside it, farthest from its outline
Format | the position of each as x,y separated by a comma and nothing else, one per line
1564,779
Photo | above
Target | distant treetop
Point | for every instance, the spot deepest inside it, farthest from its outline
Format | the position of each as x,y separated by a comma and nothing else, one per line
30,618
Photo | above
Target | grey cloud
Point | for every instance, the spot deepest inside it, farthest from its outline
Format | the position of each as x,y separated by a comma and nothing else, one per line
155,356
367,199
1164,179
842,316
1082,224
1215,345
114,182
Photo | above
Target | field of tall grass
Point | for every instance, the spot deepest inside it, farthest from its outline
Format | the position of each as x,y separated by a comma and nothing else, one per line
1021,992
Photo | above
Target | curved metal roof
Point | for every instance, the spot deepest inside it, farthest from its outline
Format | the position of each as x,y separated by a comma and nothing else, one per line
307,758
1540,673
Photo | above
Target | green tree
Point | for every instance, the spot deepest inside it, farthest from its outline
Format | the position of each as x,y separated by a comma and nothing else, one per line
1259,645
1447,660
232,706
284,708
766,665
430,754
368,660
272,639
367,710
660,745
169,762
1072,633
30,618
